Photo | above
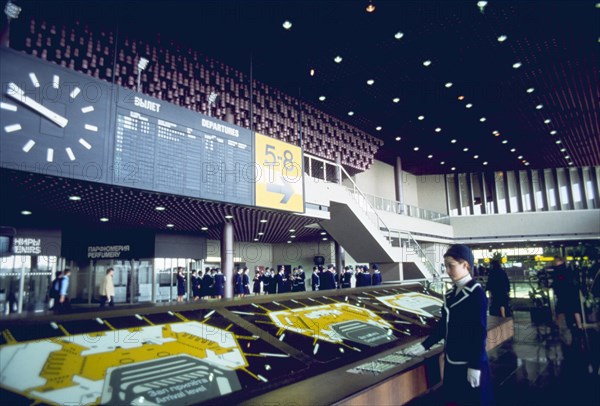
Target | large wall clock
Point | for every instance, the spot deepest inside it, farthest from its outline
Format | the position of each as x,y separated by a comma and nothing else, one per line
53,120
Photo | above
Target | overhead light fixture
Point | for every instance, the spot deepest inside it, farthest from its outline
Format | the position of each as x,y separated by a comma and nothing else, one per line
553,132
461,98
204,228
287,24
481,5
416,148
426,63
475,156
104,219
563,149
141,65
289,242
482,119
170,225
567,156
469,105
26,213
160,208
324,238
513,150
398,138
370,7
350,113
323,233
399,35
312,72
448,85
558,142
75,198
256,239
485,163
421,118
263,220
502,38
547,121
228,216
292,236
465,149
370,82
520,157
438,129
396,100
496,133
505,141
443,163
530,90
338,59
378,128
429,156
517,65
453,141
453,168
527,163
539,107
322,98
261,233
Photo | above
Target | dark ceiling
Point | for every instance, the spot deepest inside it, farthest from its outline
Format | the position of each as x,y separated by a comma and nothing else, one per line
556,43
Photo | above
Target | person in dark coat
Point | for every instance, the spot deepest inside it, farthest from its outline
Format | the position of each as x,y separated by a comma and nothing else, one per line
238,283
463,325
266,280
499,288
258,276
207,283
328,278
315,278
219,286
246,281
301,278
566,288
376,277
181,288
195,280
280,281
347,277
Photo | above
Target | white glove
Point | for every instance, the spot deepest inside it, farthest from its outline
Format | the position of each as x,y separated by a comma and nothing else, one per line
473,376
415,350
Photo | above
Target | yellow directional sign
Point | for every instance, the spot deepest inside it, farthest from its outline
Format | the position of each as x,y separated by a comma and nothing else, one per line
279,175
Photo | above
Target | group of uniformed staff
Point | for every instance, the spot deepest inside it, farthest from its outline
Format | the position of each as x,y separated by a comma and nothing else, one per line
269,281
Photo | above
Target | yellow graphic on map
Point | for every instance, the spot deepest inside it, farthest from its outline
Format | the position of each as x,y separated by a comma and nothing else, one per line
76,368
413,302
335,323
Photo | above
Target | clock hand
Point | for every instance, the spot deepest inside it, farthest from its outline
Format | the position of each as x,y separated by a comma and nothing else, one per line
19,95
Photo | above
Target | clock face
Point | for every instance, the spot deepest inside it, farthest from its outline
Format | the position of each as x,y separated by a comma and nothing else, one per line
53,120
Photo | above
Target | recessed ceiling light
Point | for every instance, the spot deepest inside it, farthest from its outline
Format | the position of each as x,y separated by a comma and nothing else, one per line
482,119
453,141
485,163
526,163
399,35
570,163
513,150
324,238
517,65
263,220
292,230
370,7
520,157
160,208
256,239
553,132
26,213
530,90
370,82
496,132
289,242
547,121
350,113
461,97
204,228
465,149
505,141
104,219
443,163
287,25
502,38
396,100
323,233
438,129
475,156
448,84
292,236
416,148
563,149
567,156
453,168
398,138
378,128
469,105
338,59
421,118
426,63
170,225
429,156
228,216
312,72
75,198
539,107
558,141
322,98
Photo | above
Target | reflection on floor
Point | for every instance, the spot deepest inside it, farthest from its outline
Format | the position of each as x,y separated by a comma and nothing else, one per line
540,366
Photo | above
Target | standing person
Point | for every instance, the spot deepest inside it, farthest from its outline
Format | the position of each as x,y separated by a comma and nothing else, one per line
315,279
347,277
107,289
499,288
180,284
54,292
64,304
566,289
301,279
266,280
195,280
238,283
281,280
207,283
328,278
246,281
464,326
376,277
256,281
219,286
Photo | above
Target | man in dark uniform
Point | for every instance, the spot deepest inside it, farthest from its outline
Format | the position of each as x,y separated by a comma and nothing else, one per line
328,278
315,279
281,280
301,279
376,277
347,277
219,284
464,327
